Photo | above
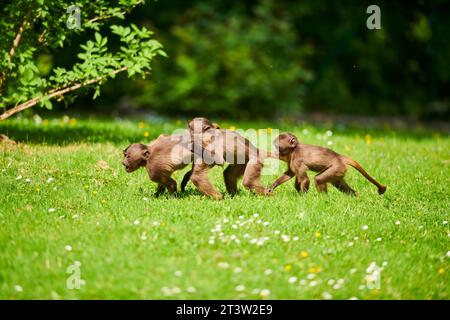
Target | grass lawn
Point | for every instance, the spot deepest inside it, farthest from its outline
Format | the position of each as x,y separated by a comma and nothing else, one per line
60,207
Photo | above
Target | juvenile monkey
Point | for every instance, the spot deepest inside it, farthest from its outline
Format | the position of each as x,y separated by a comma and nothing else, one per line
212,146
202,123
161,158
198,128
331,166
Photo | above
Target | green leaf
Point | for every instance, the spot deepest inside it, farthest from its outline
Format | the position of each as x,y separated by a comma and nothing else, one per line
98,37
47,104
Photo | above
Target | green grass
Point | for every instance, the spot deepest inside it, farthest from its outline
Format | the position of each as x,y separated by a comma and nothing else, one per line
168,254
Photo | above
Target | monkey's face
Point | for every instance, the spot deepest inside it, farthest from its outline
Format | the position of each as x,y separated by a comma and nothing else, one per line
136,156
284,144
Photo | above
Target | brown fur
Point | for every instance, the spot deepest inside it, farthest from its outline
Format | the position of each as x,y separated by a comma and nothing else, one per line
161,158
214,146
331,166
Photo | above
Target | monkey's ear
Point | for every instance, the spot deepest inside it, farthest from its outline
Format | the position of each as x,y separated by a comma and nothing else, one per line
293,142
145,154
206,127
215,126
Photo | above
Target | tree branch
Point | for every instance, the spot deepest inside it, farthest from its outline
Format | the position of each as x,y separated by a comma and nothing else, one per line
19,36
15,44
51,94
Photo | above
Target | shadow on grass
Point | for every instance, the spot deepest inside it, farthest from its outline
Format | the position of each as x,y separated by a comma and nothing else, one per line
87,131
96,130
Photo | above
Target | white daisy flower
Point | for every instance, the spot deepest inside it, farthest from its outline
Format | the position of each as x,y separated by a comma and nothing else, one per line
365,227
19,177
136,222
223,265
240,287
18,288
191,289
68,248
237,270
176,290
51,210
397,222
178,273
313,283
329,133
268,272
292,279
327,296
264,293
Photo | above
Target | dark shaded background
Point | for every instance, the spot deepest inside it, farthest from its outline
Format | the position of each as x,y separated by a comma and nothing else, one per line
259,59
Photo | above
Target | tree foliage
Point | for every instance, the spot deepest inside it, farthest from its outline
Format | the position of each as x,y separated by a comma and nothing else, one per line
32,27
231,64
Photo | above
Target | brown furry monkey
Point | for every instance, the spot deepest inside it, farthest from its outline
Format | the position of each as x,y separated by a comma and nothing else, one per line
331,166
213,146
161,158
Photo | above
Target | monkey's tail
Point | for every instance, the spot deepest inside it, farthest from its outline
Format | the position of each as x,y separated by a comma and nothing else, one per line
357,166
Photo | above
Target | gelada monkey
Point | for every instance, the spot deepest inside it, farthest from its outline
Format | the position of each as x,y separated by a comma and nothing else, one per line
331,166
204,123
161,158
213,146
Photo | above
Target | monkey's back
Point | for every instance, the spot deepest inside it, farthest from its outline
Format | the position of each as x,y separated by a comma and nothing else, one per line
316,158
176,148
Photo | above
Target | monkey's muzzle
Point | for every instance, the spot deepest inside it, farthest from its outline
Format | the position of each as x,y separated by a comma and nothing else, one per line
127,168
